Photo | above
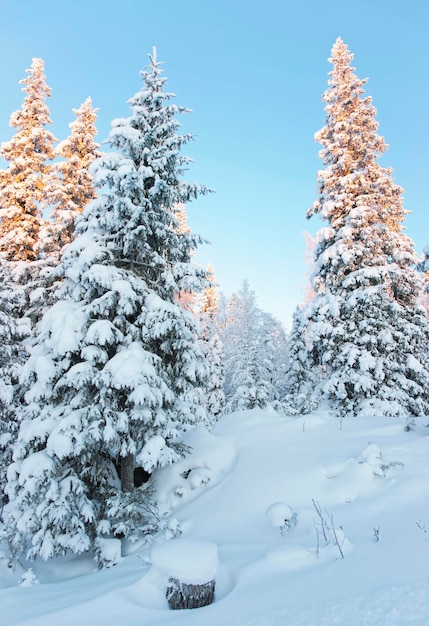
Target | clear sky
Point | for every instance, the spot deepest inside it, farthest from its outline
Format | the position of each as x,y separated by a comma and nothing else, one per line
253,74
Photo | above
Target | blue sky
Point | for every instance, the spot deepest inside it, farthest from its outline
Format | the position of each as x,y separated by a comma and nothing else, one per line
253,74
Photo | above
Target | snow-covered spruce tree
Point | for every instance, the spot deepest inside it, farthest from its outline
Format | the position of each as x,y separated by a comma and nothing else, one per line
301,375
12,333
274,347
24,195
70,186
22,198
423,267
248,367
215,396
116,373
367,329
23,183
209,300
212,347
185,297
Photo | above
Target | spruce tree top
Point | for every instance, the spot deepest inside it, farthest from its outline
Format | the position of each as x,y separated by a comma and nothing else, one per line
357,197
22,185
144,186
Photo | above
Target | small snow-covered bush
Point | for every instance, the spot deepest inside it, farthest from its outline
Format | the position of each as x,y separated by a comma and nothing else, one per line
372,456
133,515
107,551
282,516
28,579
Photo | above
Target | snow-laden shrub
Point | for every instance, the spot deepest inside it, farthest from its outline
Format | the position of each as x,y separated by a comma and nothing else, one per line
281,516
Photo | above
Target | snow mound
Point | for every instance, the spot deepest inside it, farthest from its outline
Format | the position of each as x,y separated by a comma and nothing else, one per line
211,458
190,561
281,515
362,475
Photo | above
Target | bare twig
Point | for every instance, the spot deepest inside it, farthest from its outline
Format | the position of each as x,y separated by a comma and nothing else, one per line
327,528
322,521
334,532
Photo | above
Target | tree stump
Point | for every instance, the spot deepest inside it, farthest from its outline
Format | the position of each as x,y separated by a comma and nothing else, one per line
189,571
189,596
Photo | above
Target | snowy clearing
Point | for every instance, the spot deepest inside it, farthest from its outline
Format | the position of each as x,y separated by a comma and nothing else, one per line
355,553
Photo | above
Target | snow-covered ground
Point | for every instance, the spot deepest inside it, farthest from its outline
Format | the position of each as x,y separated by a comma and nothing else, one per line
249,497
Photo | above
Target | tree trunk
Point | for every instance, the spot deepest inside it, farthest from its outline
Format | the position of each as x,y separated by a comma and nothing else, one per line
188,596
127,472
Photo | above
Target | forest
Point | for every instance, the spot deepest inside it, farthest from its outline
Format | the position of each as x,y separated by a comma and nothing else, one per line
116,343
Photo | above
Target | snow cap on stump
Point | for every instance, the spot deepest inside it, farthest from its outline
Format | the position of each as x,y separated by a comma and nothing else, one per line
193,562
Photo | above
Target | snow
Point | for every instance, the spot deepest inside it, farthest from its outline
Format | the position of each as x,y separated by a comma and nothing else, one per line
34,465
153,450
128,367
64,320
368,478
191,562
278,513
101,332
413,364
110,548
28,579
